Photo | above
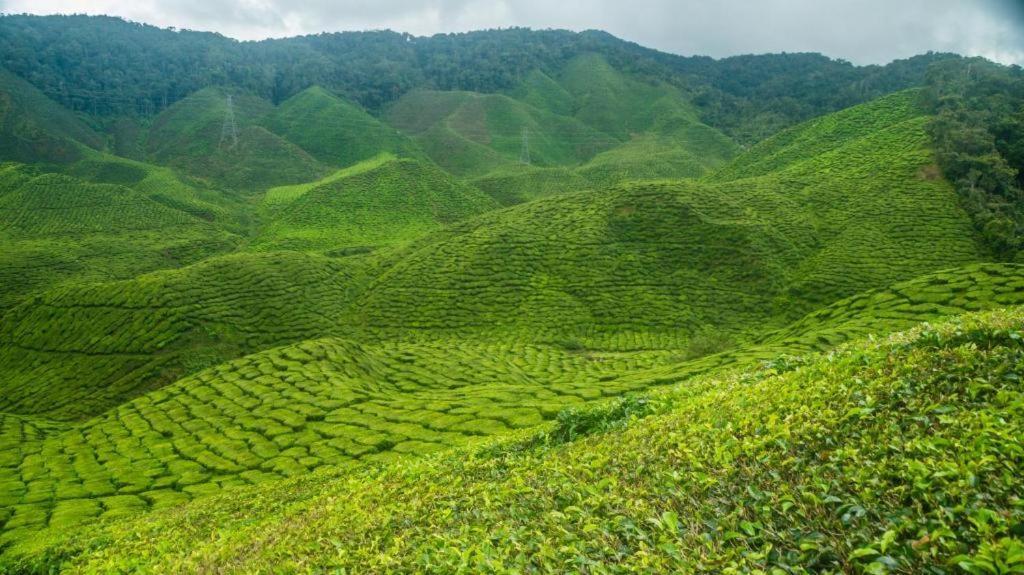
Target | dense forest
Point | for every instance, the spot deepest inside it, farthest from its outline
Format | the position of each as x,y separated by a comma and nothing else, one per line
107,67
978,134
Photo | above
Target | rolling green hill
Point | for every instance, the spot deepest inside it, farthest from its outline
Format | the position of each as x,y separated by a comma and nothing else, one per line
507,302
851,459
34,128
675,258
165,186
189,136
56,229
647,131
335,132
386,201
472,134
330,403
75,352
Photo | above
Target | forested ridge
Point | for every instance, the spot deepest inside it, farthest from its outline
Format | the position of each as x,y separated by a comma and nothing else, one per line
107,66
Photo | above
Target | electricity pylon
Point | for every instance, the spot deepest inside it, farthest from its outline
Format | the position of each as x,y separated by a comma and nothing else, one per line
524,153
229,131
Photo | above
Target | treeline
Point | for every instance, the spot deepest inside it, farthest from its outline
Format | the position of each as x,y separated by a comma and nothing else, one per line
106,66
978,133
753,97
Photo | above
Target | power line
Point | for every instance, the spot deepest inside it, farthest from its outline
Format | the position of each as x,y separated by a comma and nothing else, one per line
524,152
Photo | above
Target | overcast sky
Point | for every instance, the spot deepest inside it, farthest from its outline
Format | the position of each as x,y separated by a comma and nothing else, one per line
862,31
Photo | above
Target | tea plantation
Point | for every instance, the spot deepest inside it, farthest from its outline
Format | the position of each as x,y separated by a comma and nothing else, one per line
397,317
890,453
334,402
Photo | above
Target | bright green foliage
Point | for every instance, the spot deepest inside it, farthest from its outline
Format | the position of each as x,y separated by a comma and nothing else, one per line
644,158
894,456
34,128
75,352
188,136
518,183
590,108
386,201
334,131
56,229
281,195
471,134
670,259
379,304
163,185
288,410
825,134
332,402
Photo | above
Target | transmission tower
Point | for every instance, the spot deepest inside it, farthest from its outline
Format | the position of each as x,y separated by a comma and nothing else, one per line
524,153
229,131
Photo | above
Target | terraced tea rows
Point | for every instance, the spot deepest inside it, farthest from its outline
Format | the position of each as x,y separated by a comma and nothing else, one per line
282,413
58,229
78,351
387,202
740,255
709,475
333,402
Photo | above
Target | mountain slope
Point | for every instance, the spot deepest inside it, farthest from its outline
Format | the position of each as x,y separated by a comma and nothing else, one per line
332,402
842,462
56,229
335,132
677,258
190,136
387,201
34,128
472,134
75,352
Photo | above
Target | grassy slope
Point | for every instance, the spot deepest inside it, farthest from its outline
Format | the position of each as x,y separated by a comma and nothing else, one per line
333,402
56,230
163,185
34,128
335,132
74,352
637,132
471,134
893,455
187,136
671,259
387,201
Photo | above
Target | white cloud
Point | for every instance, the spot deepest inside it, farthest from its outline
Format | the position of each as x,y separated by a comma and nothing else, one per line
863,31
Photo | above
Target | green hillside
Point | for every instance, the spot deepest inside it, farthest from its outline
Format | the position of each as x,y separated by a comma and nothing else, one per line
651,131
190,136
386,201
56,229
472,134
518,183
676,258
508,301
333,402
34,128
165,186
75,352
825,134
335,132
855,459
